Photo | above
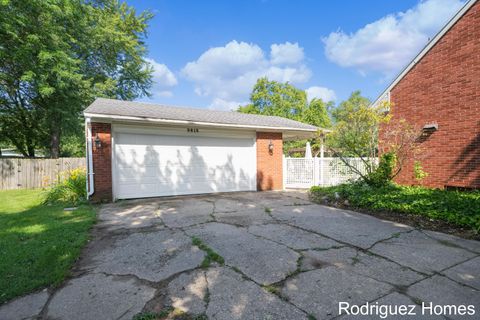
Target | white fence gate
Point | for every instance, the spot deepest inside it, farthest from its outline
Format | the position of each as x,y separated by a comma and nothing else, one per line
307,172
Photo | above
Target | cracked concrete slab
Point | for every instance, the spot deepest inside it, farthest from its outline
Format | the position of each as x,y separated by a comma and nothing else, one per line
126,215
244,218
318,292
292,237
152,256
275,199
345,226
297,193
26,307
188,292
142,244
441,291
227,204
421,252
262,260
451,240
98,296
232,297
185,212
358,262
467,273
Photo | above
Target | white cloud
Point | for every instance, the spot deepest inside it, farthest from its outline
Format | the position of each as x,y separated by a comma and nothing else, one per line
228,73
165,93
220,104
389,43
320,93
163,79
286,53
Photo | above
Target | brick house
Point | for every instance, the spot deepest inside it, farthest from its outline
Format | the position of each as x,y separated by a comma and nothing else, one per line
439,92
138,150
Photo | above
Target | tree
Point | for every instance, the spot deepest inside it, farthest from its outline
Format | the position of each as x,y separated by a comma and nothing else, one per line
317,113
56,56
400,138
285,100
352,104
357,133
273,98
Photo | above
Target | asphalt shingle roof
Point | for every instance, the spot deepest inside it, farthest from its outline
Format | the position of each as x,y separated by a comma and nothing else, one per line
113,107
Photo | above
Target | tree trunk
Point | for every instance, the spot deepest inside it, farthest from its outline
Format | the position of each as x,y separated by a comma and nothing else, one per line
55,143
31,151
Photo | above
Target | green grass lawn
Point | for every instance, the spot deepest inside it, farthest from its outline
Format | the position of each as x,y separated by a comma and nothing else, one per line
456,207
38,243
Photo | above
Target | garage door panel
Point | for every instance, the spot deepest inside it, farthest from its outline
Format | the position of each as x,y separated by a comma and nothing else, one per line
155,165
182,141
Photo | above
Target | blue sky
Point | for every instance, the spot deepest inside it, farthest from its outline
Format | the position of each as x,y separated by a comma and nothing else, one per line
208,54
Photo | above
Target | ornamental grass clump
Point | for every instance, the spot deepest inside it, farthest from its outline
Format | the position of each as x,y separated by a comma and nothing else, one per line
70,188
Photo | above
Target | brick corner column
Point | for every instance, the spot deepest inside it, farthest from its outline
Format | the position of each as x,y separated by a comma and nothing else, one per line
269,164
102,162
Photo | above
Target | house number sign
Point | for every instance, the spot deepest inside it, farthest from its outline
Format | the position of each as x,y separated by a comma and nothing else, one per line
192,129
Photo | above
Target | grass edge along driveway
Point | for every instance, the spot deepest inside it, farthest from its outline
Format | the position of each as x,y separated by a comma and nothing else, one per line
38,243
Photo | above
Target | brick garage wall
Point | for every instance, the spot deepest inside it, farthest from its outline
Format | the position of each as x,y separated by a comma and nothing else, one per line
102,162
269,164
444,88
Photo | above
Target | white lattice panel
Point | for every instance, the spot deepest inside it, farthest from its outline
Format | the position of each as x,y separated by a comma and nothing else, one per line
304,173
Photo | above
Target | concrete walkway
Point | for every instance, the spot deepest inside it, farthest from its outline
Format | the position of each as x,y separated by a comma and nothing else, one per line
285,258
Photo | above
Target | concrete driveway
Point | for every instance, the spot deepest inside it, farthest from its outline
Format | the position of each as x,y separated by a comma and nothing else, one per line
285,258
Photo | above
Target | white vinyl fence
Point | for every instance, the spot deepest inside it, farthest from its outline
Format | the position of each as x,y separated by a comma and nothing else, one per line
307,172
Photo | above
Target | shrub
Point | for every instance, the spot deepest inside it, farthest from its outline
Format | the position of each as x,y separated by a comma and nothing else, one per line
70,188
418,172
383,174
456,207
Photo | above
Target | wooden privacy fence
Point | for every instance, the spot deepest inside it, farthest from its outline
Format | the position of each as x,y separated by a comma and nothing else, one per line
18,173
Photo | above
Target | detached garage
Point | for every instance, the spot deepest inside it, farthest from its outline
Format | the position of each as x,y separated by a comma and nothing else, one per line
138,150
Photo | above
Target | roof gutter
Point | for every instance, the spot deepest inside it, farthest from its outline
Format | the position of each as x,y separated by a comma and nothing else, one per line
199,123
427,48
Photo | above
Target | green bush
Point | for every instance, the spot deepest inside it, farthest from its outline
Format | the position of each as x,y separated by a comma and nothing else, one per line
70,188
418,172
456,207
384,172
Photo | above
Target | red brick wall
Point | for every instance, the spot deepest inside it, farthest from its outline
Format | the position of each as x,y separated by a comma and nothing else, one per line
444,88
269,164
102,162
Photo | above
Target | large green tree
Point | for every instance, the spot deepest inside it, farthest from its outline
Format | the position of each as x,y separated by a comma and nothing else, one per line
56,56
355,102
285,100
317,113
274,98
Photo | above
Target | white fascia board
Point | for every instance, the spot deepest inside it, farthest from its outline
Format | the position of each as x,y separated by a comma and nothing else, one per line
198,123
426,49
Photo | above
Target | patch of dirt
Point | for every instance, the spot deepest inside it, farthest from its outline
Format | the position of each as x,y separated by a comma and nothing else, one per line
414,220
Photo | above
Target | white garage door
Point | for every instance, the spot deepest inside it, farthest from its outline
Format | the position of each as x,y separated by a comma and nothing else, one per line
154,162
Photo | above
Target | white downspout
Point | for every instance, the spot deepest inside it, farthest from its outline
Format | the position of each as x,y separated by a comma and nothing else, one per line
90,183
